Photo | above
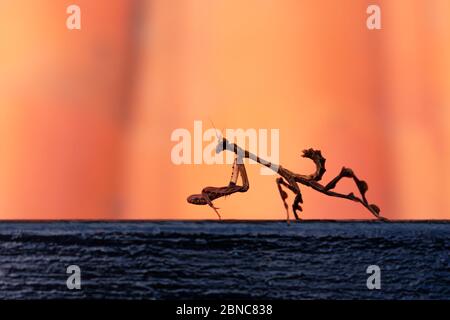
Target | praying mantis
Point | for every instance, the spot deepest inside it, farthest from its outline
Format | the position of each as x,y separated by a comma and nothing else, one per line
286,180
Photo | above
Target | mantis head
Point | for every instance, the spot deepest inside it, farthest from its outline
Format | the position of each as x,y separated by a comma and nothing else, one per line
222,144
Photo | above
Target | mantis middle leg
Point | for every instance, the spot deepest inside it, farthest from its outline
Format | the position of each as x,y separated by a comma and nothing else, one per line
298,197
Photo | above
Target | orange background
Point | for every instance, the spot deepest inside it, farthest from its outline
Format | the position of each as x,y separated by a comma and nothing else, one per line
86,116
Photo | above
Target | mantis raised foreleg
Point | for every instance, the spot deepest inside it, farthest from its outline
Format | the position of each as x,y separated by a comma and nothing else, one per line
212,193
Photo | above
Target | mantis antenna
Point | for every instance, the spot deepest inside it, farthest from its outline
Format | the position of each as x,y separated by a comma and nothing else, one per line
235,170
217,133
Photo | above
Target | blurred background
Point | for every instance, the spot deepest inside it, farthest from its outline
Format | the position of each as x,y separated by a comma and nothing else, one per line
86,116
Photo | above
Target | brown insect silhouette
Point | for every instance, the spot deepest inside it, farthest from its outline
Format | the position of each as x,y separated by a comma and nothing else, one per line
287,179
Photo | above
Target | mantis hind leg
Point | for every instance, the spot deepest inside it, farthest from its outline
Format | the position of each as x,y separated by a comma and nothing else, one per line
348,173
298,197
362,188
283,196
296,205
